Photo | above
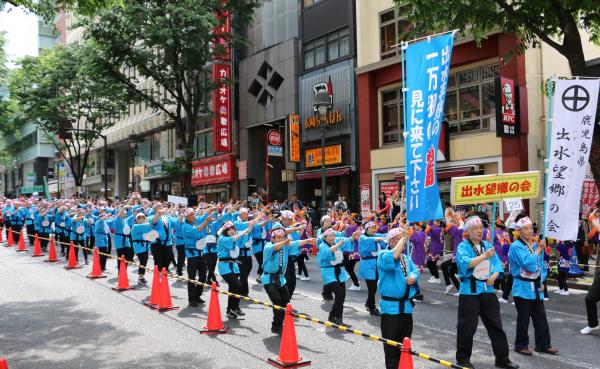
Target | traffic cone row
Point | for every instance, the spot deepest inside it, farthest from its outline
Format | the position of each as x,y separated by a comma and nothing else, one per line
164,301
10,240
72,261
22,247
406,361
51,252
96,269
123,283
288,350
214,324
37,248
154,290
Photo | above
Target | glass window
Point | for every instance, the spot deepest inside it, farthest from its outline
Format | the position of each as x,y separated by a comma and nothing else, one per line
320,52
334,46
392,117
393,28
204,144
388,39
309,59
469,102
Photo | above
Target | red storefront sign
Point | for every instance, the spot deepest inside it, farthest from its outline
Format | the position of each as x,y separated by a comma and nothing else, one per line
222,108
218,169
507,123
589,193
389,188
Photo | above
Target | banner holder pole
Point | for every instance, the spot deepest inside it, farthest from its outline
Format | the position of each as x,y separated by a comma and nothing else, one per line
547,158
403,47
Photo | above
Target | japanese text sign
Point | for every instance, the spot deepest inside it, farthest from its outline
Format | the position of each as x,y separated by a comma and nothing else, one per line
589,193
333,155
427,68
493,188
573,118
222,108
507,122
365,200
218,169
221,33
294,138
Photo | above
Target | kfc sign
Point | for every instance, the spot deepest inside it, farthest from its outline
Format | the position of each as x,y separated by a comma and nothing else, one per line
507,123
218,169
222,108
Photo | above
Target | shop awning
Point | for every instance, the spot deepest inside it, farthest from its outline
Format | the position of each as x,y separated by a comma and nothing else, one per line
445,173
313,174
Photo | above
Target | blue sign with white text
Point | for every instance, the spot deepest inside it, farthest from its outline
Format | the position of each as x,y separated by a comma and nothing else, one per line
427,71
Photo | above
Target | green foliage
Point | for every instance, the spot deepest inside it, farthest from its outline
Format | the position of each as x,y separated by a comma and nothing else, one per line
3,68
49,8
61,89
159,51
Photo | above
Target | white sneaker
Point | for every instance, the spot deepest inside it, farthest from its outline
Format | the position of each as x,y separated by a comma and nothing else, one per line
354,288
305,278
512,303
502,300
430,280
298,276
449,289
588,329
564,293
437,281
558,291
546,299
456,294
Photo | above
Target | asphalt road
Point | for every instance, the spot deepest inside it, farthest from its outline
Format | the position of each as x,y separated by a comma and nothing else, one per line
51,318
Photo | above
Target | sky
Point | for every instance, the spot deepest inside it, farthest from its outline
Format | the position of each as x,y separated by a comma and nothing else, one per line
21,32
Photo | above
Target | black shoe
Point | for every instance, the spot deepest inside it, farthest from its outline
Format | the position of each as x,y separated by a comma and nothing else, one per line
194,303
327,297
199,300
507,365
277,330
239,312
465,364
231,315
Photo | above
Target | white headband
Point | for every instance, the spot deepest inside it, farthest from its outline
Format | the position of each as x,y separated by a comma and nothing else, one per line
522,223
393,233
471,222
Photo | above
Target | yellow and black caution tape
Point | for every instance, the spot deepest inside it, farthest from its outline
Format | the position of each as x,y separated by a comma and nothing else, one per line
295,314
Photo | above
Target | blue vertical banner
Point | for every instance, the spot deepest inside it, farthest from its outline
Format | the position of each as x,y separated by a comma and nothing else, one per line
427,70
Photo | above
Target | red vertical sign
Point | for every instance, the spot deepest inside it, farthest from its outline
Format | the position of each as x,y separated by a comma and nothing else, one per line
222,51
222,107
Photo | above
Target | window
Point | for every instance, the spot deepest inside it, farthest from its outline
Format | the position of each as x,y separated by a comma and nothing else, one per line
335,45
470,102
203,144
393,28
392,116
469,106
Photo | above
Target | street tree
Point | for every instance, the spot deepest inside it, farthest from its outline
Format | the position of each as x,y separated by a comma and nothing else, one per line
558,23
62,92
49,8
160,51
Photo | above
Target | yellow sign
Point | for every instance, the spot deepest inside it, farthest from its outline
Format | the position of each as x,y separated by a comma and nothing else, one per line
294,138
495,187
333,155
314,121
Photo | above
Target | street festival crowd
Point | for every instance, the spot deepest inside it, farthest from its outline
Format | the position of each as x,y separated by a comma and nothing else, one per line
221,239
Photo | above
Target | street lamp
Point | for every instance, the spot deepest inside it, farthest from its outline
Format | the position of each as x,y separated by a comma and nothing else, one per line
15,164
322,105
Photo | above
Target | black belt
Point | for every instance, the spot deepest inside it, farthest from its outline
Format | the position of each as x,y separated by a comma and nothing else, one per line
273,280
473,283
211,246
337,270
371,257
537,284
401,300
230,261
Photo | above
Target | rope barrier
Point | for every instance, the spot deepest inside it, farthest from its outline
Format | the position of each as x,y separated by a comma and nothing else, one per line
295,314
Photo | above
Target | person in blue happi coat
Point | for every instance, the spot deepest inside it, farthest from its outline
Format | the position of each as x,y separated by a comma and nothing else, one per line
398,285
140,239
46,220
369,245
195,244
259,238
228,252
478,268
61,232
101,232
17,219
210,253
178,220
77,234
245,245
122,234
275,259
293,232
163,246
29,212
330,258
527,267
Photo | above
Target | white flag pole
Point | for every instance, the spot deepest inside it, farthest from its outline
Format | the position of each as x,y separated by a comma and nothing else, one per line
547,159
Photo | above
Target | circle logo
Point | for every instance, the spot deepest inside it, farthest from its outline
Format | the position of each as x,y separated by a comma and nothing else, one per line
575,98
274,138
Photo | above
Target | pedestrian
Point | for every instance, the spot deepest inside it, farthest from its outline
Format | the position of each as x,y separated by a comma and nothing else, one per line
293,231
274,265
330,259
228,252
78,237
178,222
434,232
122,234
163,246
526,259
593,295
244,244
449,266
478,268
564,265
195,244
383,205
142,235
101,232
259,238
351,258
398,285
369,246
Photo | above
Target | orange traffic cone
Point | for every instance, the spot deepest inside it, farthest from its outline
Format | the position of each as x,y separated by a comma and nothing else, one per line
37,248
3,363
1,230
164,302
51,252
96,269
72,263
406,361
288,350
123,284
214,324
22,246
10,240
155,291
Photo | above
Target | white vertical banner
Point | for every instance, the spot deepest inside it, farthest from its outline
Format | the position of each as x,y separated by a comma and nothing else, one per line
573,121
